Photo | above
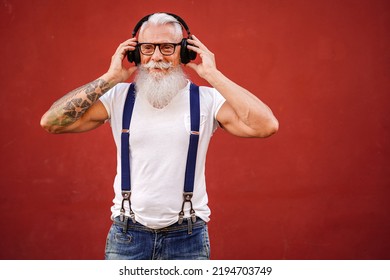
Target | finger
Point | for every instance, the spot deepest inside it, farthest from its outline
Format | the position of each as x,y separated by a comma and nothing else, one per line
201,52
121,52
128,43
196,42
194,38
126,46
194,48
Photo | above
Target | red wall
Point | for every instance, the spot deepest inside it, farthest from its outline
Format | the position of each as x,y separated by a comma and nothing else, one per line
318,189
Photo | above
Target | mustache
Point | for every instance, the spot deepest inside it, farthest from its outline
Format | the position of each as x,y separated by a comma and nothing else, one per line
160,65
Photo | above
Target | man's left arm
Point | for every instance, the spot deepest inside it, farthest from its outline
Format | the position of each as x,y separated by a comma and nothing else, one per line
243,114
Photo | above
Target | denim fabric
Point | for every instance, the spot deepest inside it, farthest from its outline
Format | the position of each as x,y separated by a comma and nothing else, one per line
137,242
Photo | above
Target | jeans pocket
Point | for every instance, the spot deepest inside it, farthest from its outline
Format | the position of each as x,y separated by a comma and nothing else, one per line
130,245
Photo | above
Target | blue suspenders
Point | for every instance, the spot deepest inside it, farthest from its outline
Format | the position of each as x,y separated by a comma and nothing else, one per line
125,151
191,155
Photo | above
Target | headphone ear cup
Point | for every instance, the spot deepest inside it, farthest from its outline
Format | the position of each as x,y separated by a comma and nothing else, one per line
134,56
191,54
137,56
186,55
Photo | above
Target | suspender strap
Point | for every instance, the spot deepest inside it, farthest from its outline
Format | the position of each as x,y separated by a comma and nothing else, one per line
194,139
191,155
125,151
127,113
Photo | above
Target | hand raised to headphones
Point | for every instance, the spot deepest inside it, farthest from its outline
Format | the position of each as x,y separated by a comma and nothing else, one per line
118,71
207,66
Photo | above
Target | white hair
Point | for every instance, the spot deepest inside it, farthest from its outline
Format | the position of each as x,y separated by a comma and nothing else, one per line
161,19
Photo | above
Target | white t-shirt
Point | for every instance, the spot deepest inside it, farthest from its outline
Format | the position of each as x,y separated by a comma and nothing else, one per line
159,140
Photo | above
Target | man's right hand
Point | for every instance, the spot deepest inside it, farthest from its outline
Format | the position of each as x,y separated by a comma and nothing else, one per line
118,72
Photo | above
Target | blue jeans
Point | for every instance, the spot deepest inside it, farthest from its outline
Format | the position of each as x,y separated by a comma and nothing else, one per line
175,242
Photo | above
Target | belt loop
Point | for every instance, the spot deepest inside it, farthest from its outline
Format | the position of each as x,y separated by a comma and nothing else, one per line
189,223
125,224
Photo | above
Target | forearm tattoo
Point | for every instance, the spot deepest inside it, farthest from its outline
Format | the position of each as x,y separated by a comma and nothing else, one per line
72,106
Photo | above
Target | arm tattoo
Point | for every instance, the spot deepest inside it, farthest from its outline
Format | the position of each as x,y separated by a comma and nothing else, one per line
72,106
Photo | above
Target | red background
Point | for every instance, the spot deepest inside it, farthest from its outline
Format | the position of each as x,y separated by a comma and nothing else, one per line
318,189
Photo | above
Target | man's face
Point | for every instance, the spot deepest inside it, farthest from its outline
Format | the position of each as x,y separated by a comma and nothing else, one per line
160,34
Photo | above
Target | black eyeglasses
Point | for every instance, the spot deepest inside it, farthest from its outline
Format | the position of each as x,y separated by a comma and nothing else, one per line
165,48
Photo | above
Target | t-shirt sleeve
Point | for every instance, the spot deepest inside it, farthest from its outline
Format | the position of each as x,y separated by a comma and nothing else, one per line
218,101
106,100
114,96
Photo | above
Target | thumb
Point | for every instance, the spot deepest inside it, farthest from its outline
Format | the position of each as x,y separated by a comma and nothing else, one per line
131,70
126,73
192,65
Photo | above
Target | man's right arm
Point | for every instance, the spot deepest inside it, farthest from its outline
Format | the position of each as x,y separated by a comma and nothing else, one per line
80,110
68,114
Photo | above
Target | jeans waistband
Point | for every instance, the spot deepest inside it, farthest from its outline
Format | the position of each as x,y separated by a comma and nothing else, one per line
186,225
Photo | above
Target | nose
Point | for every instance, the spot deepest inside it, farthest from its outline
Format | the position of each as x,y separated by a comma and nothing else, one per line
157,55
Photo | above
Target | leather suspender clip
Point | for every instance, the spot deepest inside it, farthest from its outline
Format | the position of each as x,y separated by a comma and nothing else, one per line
187,198
126,197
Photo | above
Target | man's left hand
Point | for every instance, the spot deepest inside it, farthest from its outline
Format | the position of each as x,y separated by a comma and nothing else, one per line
208,65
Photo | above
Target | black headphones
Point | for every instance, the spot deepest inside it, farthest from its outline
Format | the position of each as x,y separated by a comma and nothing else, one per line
186,55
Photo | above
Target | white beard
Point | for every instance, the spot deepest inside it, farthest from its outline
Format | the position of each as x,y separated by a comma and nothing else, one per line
159,88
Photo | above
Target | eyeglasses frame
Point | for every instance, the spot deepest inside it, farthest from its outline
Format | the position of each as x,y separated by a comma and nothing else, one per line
158,45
